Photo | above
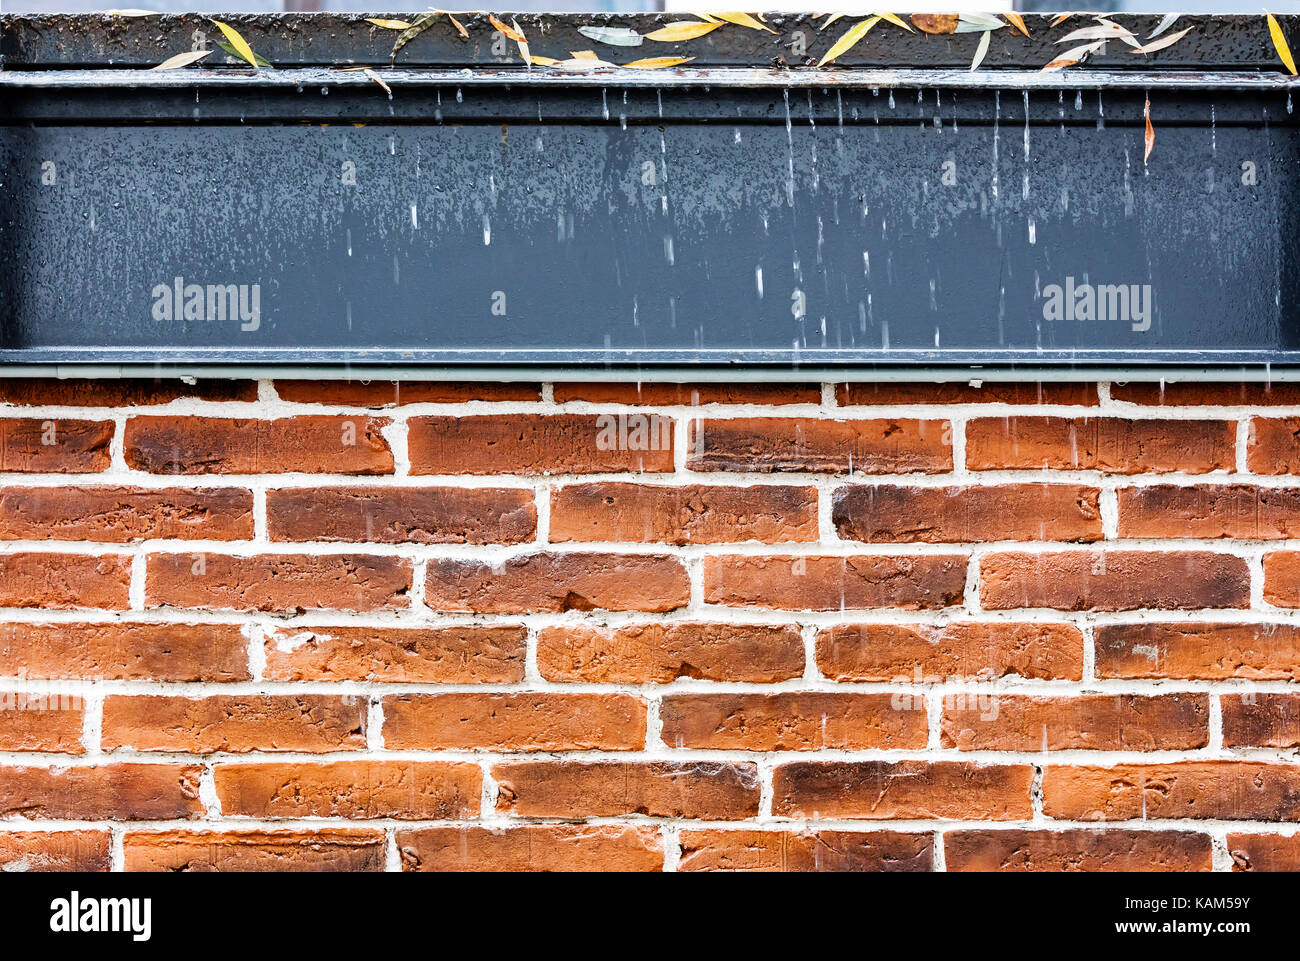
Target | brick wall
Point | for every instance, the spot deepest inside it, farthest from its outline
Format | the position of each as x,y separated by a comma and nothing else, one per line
908,627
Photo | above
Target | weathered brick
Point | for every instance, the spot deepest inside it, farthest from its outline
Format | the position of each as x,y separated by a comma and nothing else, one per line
34,445
402,515
1077,850
111,792
40,722
390,393
1282,578
1273,445
958,392
278,582
83,851
560,847
793,721
318,444
1264,852
805,851
693,395
902,790
1112,444
514,722
885,514
124,651
1225,510
328,849
659,653
1207,393
1261,720
775,444
34,579
119,392
1219,790
1113,580
1260,652
704,790
547,581
924,653
235,723
829,583
540,444
121,514
403,790
1088,722
445,655
694,514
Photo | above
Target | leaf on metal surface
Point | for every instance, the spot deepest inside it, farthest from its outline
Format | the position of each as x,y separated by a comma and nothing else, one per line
1150,138
1165,23
658,63
242,49
182,60
682,30
614,36
422,23
505,30
982,49
935,22
1160,44
1018,22
1280,44
743,20
1074,55
389,24
896,20
849,40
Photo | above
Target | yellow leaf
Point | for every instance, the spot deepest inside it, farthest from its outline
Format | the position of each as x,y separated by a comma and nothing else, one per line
1061,19
742,20
829,20
464,34
895,20
682,30
1018,22
542,61
583,55
239,43
390,24
1279,41
657,63
706,17
847,42
182,60
505,31
1150,140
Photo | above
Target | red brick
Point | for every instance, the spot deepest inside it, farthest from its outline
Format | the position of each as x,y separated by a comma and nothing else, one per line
660,653
540,444
122,514
956,392
695,514
1264,852
119,392
329,849
390,393
775,444
828,583
1077,850
904,790
34,445
1261,720
805,851
124,652
885,514
705,790
1100,443
278,582
1273,445
514,722
402,515
40,722
560,847
1088,722
235,723
317,444
692,395
444,655
576,581
1225,510
111,792
1113,580
1207,393
924,653
1260,652
31,579
84,851
1282,578
794,721
403,790
1219,790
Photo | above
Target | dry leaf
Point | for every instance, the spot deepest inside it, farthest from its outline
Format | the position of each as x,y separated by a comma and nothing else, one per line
1279,42
133,13
706,17
1165,23
743,20
390,24
523,43
972,22
460,27
1018,22
506,31
1075,55
583,55
849,40
682,30
896,20
658,63
614,36
543,61
1102,31
1123,33
1061,18
422,23
1150,135
182,60
1168,41
239,43
379,80
935,22
584,64
982,49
